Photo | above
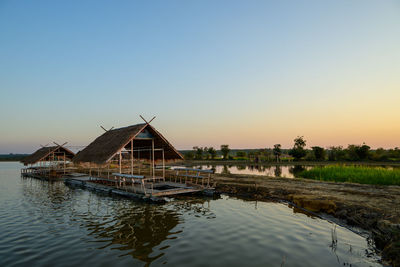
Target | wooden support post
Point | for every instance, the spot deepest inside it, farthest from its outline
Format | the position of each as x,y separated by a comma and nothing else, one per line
108,170
163,164
139,161
150,162
132,157
120,159
64,162
152,152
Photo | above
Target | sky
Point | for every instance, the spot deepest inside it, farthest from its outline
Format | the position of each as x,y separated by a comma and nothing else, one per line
250,74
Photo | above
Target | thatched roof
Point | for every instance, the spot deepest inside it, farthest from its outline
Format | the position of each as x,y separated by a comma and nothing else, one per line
106,146
45,153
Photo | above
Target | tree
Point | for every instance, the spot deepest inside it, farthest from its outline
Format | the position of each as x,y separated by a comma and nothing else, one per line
257,156
351,152
319,152
336,153
199,152
205,150
394,154
189,155
241,154
298,150
380,155
363,152
357,152
212,152
277,151
251,155
225,151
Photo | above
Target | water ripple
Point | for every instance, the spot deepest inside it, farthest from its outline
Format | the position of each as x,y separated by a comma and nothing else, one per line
49,224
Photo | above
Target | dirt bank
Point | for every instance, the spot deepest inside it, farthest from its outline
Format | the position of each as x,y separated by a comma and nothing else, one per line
373,208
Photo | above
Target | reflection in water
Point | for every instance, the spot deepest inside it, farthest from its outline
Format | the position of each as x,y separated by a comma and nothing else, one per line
278,171
134,228
46,224
45,194
287,171
137,230
296,170
225,169
241,167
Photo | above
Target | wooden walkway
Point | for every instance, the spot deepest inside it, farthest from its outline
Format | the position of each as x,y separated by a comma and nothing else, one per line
160,190
133,186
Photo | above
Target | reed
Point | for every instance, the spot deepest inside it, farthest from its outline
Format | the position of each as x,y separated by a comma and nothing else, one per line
354,174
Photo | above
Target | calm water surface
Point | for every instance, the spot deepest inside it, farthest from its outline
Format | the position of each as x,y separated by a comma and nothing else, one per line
287,171
48,224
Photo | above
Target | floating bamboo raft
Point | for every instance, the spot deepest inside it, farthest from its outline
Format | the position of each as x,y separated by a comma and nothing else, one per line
128,161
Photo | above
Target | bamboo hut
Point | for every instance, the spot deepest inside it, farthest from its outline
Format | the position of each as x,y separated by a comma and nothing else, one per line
131,160
48,161
134,145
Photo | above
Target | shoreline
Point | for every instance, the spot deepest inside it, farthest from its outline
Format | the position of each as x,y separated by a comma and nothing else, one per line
286,163
369,207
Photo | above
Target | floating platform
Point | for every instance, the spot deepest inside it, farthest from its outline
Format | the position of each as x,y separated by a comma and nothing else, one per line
132,186
42,175
155,193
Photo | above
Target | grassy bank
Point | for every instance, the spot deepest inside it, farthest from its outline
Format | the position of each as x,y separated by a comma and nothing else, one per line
354,174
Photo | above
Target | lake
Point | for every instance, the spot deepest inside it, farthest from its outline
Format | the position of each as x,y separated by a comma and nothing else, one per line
47,224
286,171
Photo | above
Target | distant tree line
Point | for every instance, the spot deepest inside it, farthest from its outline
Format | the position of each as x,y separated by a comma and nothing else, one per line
298,152
12,157
200,153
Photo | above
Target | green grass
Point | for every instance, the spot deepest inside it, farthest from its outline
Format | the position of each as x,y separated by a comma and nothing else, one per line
354,174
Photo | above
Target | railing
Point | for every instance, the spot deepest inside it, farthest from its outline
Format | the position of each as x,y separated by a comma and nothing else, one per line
193,174
121,180
44,172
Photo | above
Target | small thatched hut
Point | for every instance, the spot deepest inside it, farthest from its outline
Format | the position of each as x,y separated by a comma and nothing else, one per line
134,143
49,154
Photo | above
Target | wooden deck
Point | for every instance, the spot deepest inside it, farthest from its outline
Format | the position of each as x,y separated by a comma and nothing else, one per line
171,188
132,186
155,194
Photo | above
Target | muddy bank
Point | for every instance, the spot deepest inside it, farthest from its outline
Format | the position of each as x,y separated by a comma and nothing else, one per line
373,208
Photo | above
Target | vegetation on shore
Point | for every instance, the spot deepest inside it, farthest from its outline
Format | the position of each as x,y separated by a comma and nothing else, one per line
299,152
12,157
354,174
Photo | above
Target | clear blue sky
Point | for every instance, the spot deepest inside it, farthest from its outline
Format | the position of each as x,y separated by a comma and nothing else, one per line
246,73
